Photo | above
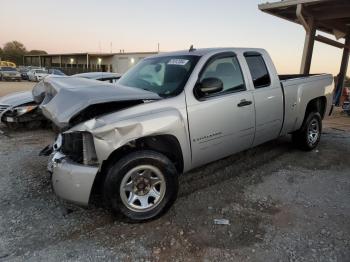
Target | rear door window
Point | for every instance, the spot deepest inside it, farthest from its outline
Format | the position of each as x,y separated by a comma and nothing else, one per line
258,70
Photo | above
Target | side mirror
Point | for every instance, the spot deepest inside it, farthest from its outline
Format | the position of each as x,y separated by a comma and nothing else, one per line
209,86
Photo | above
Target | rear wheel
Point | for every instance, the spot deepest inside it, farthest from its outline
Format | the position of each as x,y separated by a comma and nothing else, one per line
142,185
309,135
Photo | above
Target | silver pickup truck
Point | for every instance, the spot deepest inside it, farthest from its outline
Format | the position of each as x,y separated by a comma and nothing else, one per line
171,113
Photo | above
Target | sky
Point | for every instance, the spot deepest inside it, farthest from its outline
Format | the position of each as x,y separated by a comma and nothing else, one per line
65,26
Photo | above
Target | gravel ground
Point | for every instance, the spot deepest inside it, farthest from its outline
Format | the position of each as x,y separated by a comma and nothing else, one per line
281,204
10,87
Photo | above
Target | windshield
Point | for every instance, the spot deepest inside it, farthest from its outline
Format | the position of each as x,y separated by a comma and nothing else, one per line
56,72
165,76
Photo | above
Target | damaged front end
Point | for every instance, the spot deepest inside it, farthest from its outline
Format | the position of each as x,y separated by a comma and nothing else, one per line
68,101
73,164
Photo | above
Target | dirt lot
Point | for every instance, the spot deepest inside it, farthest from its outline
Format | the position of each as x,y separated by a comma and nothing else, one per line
282,205
10,87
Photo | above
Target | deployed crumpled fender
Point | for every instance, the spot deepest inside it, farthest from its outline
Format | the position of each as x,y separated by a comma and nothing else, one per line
113,131
63,98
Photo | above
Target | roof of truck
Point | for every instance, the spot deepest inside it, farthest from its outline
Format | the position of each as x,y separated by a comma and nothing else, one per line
204,51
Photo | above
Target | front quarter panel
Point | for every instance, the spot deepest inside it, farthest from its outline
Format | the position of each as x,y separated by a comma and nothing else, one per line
110,135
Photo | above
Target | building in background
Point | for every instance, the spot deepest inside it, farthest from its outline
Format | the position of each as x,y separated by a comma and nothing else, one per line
87,62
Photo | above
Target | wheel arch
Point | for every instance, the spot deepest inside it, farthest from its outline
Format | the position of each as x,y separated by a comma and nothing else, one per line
168,145
318,104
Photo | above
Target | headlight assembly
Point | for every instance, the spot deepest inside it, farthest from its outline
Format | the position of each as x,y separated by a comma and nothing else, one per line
21,110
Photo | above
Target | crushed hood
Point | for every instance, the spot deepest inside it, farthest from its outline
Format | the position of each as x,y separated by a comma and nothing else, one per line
17,99
64,98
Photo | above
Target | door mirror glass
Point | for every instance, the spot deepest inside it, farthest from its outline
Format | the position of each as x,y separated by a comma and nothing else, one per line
209,86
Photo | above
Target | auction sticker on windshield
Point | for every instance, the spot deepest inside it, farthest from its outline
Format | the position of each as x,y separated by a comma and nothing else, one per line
181,62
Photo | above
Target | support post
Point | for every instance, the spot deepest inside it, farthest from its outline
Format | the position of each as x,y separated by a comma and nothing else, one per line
308,49
87,62
342,71
310,30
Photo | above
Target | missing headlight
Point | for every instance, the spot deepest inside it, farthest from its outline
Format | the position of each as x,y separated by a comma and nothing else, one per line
79,147
89,152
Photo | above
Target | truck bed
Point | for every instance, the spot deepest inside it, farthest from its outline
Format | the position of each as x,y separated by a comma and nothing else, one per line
298,90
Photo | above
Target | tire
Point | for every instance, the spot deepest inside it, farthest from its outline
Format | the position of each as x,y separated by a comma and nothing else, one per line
309,135
135,173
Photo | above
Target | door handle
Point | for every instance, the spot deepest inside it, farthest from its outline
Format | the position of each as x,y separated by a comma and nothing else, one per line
244,103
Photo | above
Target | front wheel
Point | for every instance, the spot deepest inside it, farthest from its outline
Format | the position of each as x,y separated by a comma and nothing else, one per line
309,135
142,185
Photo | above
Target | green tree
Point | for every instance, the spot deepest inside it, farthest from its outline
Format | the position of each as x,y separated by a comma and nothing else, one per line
14,52
37,52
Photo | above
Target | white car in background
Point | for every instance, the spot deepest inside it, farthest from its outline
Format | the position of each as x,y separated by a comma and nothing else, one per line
37,74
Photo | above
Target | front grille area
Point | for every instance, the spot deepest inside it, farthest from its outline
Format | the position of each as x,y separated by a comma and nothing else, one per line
3,108
72,146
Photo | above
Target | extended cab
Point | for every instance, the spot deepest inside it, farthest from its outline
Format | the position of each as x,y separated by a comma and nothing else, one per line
171,113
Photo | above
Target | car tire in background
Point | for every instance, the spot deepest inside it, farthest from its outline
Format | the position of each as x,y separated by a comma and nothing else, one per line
309,135
142,185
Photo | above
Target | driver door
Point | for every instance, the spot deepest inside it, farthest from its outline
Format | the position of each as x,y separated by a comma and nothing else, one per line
222,123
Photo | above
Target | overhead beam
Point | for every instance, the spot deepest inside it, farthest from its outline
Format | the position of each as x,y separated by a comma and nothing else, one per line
287,3
332,13
331,42
286,10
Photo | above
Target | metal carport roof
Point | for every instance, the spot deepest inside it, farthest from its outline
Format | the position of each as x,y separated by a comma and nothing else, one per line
328,16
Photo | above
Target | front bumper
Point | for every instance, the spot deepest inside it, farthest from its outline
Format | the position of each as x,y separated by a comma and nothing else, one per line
71,181
39,78
25,118
12,78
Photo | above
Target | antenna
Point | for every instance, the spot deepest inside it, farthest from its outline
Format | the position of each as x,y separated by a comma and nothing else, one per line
191,49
